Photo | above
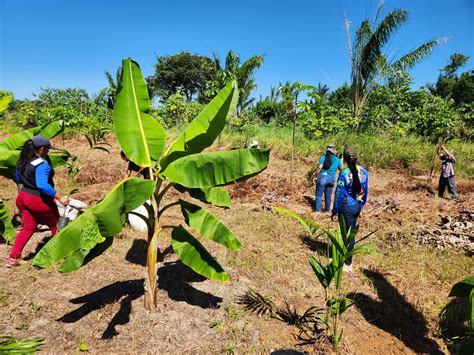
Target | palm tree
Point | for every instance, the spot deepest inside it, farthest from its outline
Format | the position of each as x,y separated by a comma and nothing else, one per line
242,73
108,94
369,63
290,94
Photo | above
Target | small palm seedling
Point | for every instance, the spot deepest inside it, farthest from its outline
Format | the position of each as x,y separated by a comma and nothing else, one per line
307,323
329,274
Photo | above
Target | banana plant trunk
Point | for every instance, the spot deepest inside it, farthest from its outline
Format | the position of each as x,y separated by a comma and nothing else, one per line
150,295
150,287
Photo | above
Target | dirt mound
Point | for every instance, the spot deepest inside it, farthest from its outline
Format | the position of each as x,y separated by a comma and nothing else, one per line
452,231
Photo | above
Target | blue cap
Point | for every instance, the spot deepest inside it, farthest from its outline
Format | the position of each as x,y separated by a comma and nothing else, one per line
40,141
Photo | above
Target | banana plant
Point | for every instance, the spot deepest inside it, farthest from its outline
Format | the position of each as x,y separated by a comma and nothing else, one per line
182,166
10,150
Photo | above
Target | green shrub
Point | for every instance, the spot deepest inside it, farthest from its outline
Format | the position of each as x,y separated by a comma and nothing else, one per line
176,111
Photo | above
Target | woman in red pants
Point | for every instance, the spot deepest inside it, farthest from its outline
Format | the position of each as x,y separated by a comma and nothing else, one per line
35,201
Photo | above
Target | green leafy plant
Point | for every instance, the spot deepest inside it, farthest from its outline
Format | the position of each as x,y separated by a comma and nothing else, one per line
4,102
465,288
330,272
183,166
11,345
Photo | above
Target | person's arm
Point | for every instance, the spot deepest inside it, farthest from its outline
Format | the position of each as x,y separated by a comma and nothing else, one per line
450,155
320,167
365,188
340,193
317,172
42,172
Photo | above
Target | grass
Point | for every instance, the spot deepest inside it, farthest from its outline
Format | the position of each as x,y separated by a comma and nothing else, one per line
411,153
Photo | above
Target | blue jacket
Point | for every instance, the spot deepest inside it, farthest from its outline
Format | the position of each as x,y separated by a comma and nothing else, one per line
37,178
344,189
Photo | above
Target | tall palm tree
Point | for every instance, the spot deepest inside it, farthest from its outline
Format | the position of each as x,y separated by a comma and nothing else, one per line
242,73
369,63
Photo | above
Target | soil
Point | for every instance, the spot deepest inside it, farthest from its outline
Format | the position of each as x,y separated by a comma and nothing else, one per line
399,291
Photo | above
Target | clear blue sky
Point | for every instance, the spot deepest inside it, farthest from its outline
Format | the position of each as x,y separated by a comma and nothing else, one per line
69,43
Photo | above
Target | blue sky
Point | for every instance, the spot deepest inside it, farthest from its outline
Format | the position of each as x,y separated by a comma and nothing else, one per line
69,43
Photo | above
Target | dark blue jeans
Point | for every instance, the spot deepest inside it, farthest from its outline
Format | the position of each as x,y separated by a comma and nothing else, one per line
324,184
350,213
450,183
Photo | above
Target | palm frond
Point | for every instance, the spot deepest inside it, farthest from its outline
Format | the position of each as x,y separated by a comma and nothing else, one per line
409,60
256,302
373,49
379,9
110,80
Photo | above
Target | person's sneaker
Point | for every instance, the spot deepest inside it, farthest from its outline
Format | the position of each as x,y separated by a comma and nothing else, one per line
347,268
13,262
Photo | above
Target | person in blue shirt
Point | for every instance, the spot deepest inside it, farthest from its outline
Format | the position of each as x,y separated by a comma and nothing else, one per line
325,179
351,194
35,200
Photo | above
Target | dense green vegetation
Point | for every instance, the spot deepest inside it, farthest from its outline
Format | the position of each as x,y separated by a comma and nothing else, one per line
392,124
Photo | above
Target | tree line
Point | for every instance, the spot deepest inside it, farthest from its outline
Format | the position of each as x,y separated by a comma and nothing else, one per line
377,97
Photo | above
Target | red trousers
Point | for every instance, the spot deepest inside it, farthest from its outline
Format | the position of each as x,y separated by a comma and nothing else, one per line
34,210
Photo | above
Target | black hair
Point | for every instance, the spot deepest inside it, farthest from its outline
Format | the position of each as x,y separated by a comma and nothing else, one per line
327,160
28,152
352,164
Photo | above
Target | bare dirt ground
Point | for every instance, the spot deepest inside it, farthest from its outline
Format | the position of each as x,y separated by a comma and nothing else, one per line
400,291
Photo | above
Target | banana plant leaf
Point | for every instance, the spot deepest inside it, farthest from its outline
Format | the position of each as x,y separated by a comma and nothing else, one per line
217,196
217,168
205,128
6,228
462,288
9,158
48,130
4,102
140,136
208,225
107,217
193,254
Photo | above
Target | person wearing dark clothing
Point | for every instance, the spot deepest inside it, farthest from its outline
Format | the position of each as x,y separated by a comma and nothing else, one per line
325,179
35,200
351,195
144,172
446,178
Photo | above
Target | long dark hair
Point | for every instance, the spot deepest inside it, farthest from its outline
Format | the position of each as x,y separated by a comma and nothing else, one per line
351,161
327,160
28,152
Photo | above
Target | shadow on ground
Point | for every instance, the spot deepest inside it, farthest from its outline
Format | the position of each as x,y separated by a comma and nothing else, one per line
393,314
137,252
311,202
40,245
314,245
123,291
173,277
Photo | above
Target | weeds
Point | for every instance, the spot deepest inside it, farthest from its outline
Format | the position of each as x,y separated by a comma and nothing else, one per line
14,346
